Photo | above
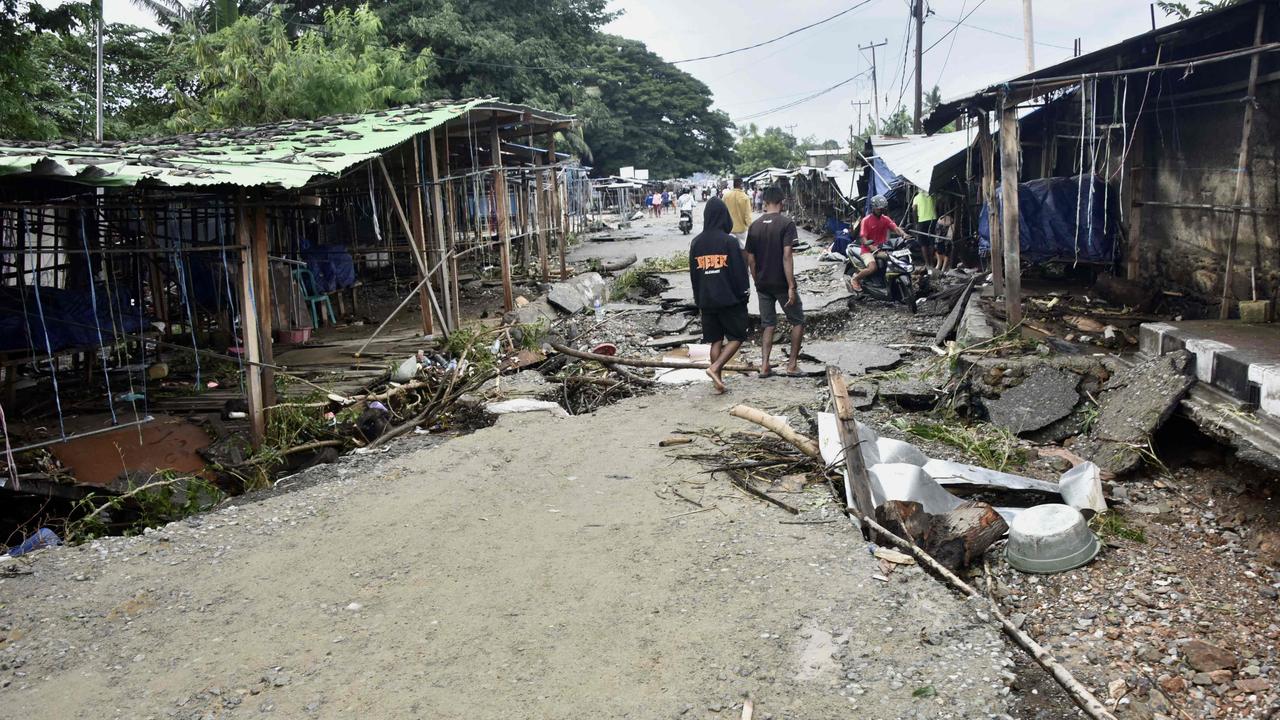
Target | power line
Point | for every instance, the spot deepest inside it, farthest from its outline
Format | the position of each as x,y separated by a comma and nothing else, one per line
846,11
517,66
957,26
1004,34
803,100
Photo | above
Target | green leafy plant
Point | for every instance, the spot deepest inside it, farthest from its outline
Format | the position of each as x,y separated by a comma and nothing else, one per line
162,498
636,274
1112,524
988,446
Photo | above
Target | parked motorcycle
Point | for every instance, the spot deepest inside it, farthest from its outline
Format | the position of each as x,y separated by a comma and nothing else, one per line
686,221
893,279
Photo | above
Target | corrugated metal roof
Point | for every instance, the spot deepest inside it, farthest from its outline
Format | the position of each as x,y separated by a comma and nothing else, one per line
916,157
288,154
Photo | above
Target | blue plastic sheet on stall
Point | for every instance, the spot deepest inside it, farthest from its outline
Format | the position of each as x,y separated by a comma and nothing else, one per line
1060,218
882,181
69,319
331,265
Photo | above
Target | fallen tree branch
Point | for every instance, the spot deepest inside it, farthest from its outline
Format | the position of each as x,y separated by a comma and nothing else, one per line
744,486
643,362
1079,694
779,428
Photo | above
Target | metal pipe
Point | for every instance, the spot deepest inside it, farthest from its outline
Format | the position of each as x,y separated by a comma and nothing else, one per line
77,436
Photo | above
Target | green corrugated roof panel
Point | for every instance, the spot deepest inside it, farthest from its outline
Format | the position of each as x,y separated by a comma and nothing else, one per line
286,154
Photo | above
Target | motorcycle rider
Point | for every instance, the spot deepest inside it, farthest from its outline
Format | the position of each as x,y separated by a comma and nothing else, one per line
874,232
686,202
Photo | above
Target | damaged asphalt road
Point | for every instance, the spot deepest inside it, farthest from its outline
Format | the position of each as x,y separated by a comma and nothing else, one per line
539,568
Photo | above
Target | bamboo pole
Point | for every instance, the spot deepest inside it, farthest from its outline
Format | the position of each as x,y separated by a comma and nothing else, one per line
1242,167
443,243
408,231
501,210
557,229
986,150
419,239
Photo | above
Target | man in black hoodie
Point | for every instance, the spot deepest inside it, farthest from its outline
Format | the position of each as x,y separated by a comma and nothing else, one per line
720,287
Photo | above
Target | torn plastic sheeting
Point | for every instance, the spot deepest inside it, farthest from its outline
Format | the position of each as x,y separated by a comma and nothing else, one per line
897,451
1081,488
946,472
683,376
829,442
903,481
524,405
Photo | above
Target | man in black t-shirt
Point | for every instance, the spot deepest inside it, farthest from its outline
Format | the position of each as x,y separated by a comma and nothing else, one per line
769,245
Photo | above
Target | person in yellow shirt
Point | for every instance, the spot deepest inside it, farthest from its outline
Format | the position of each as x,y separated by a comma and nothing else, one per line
739,210
926,222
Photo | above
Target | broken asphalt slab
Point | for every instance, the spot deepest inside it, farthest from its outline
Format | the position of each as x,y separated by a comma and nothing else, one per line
1044,397
574,296
1134,404
855,358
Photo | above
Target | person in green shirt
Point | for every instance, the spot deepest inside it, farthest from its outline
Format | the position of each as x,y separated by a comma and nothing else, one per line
926,225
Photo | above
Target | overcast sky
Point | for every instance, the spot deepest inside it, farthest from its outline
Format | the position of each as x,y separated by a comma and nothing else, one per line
766,78
974,56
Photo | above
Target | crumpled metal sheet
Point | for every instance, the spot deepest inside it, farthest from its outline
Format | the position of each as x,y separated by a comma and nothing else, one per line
946,472
1081,488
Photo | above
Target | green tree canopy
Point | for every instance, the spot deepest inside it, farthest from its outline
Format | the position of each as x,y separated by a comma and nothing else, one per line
758,150
254,71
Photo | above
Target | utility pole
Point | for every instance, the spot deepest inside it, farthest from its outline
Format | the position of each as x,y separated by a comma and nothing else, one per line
917,8
857,110
1028,35
97,22
875,88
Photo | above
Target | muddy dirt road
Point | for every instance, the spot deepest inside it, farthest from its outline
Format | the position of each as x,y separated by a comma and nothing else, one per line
541,568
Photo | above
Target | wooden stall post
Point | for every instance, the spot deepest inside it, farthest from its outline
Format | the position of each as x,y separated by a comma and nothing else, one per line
986,148
262,290
1136,161
444,242
502,210
1010,155
413,246
1242,167
554,207
249,321
453,229
544,217
419,238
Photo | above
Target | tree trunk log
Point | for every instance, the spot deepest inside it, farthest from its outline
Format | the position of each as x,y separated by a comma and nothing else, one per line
779,428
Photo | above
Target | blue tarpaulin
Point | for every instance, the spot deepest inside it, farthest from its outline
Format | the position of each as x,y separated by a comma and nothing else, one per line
69,318
883,181
330,265
1060,218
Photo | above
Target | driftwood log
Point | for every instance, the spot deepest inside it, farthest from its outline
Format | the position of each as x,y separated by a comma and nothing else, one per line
779,428
1079,694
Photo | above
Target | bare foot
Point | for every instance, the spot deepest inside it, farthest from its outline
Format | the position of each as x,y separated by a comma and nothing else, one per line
764,372
793,369
715,378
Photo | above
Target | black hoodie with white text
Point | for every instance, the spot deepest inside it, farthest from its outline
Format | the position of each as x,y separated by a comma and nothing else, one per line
717,268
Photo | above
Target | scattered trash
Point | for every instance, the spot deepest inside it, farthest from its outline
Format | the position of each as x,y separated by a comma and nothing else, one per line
1081,488
946,472
1050,539
525,405
894,556
42,538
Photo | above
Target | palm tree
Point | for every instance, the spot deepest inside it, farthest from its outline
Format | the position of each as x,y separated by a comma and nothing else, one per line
204,15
